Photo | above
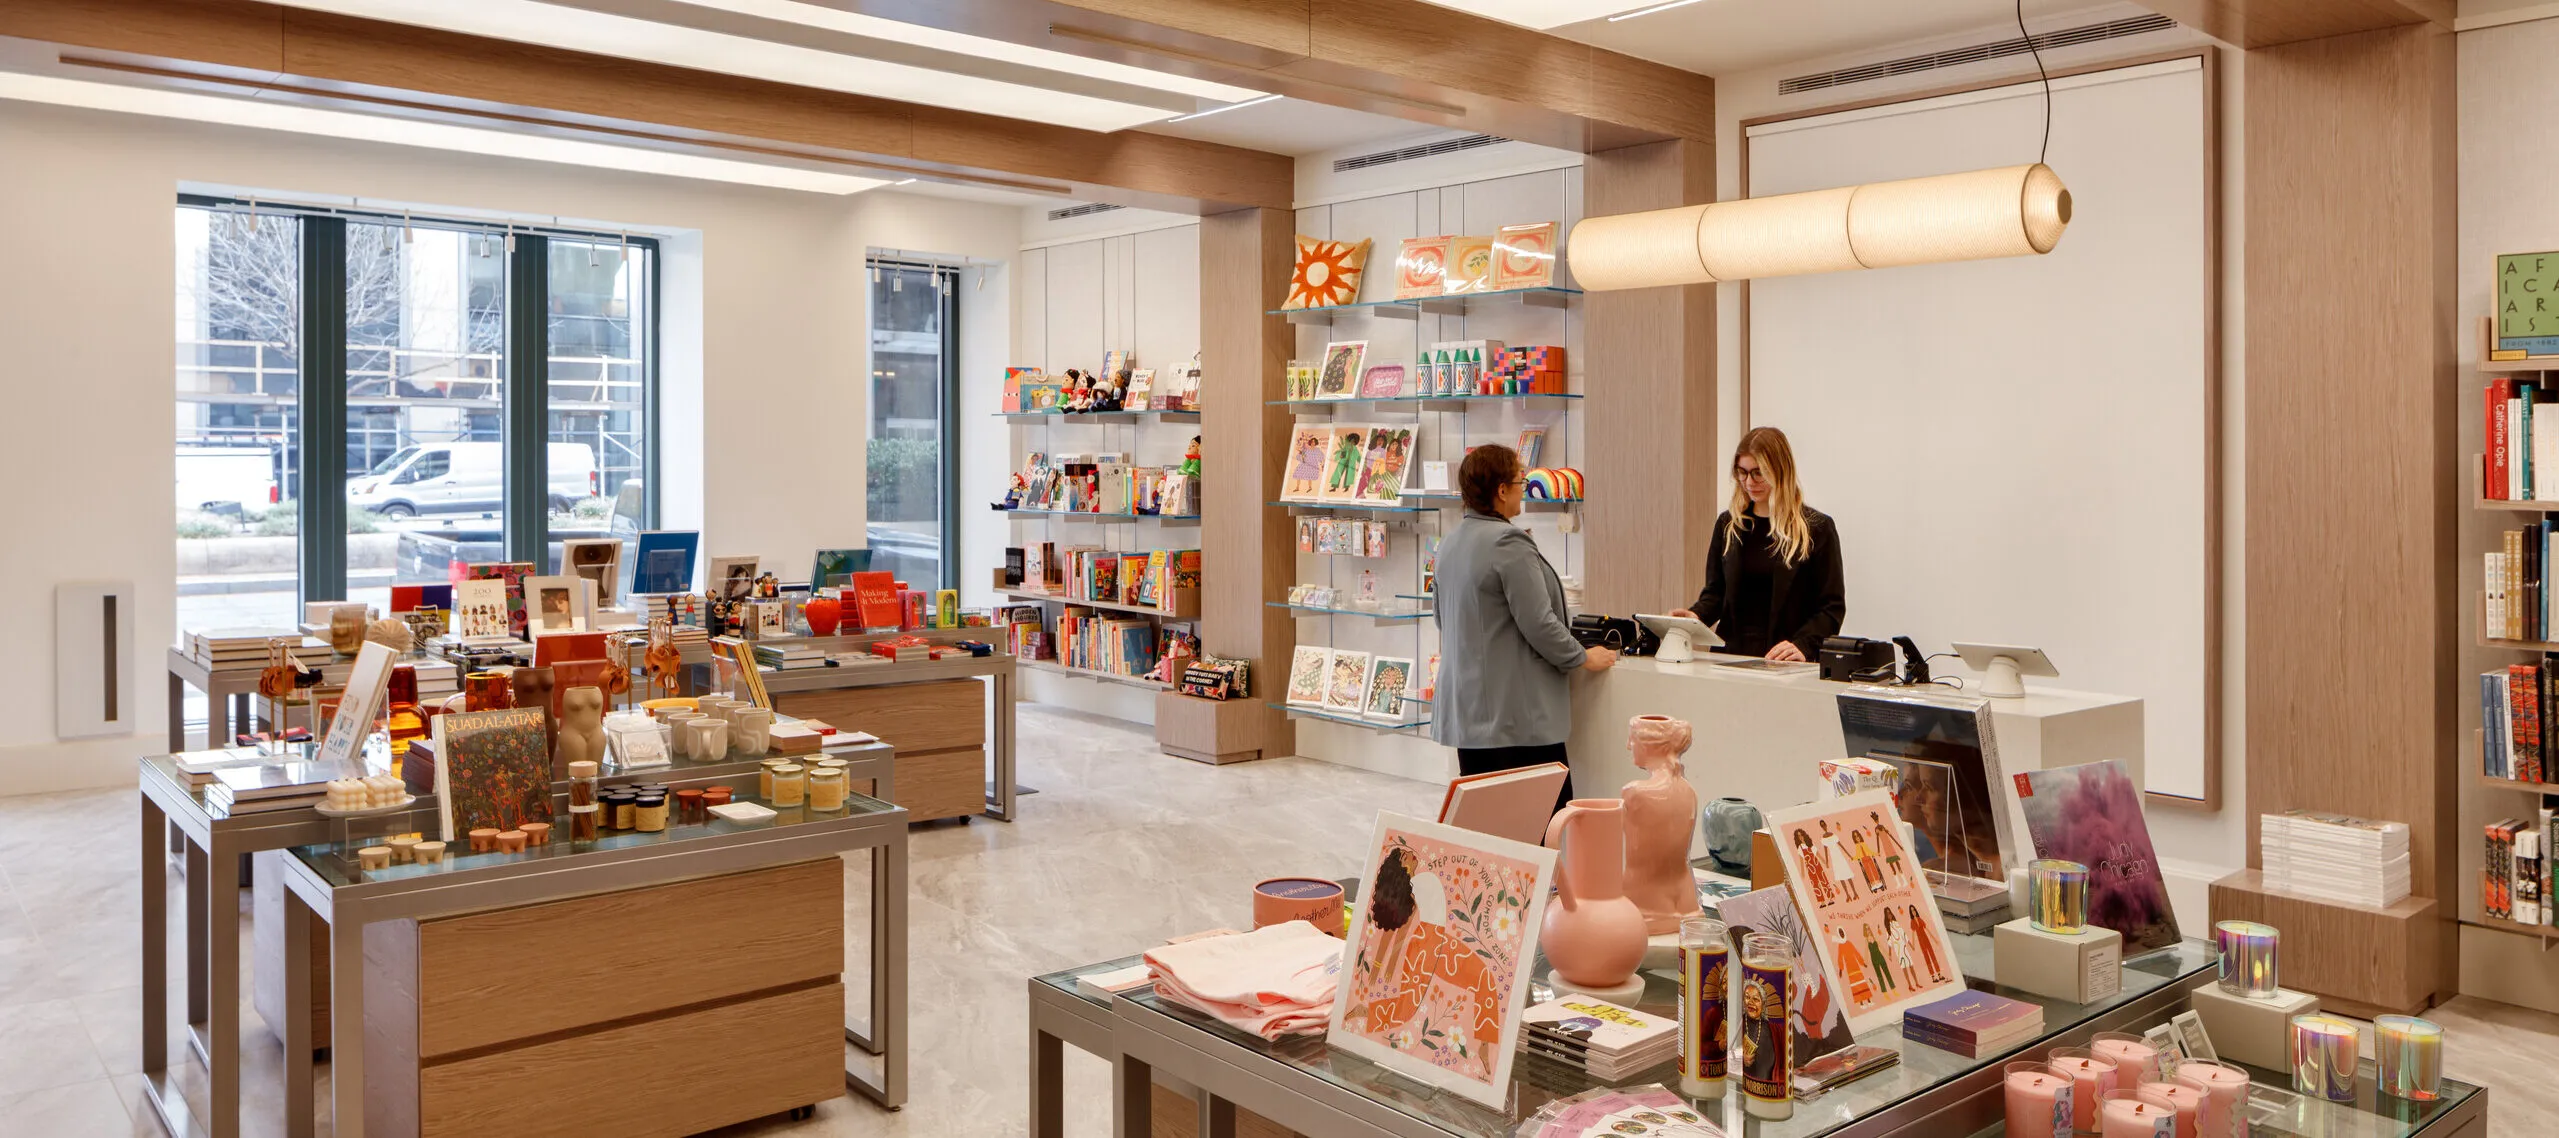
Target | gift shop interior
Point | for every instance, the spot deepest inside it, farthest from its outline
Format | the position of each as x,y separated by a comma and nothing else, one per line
1417,568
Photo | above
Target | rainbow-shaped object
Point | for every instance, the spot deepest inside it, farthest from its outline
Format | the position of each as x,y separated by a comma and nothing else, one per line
1554,484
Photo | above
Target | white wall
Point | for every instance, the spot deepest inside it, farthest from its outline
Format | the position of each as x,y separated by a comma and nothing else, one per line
763,368
2196,845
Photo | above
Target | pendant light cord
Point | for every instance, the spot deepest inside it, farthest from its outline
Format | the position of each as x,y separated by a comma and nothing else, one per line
2047,150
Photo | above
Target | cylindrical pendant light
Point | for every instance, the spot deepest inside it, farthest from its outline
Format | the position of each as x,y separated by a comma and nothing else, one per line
2008,212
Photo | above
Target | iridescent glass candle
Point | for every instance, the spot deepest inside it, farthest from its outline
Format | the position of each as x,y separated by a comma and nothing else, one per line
2247,958
2059,895
2409,1057
2323,1057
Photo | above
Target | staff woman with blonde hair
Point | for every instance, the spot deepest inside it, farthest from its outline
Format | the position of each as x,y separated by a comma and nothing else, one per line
1774,586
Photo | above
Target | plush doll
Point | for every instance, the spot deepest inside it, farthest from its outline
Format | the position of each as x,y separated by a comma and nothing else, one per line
1079,391
1191,458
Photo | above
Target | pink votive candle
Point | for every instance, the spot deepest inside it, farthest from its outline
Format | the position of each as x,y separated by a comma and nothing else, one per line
2039,1102
2138,1061
2136,1114
2225,1110
2187,1101
2090,1078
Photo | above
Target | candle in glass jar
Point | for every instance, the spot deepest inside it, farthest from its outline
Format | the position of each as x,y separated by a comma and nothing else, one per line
2185,1100
2132,1114
2323,1057
2408,1054
2039,1103
2060,893
1704,975
2247,958
1768,986
2224,1113
2135,1059
2090,1078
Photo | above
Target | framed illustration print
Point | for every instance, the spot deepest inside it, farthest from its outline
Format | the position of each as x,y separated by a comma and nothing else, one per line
1307,669
1420,263
1344,461
598,560
1867,904
558,604
664,561
1383,694
1524,256
1346,681
1339,378
1435,969
1309,447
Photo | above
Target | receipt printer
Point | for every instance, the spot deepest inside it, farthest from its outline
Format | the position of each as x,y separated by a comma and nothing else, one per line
1848,658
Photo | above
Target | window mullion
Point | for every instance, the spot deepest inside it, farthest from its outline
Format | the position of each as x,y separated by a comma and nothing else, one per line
527,415
322,500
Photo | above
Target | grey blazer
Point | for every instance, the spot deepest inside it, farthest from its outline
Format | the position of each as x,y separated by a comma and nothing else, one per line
1506,646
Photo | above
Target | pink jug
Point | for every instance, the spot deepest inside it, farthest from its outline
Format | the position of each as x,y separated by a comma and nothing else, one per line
1593,934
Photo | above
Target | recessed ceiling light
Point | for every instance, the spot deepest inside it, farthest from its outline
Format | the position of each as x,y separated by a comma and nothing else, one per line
901,181
920,35
1224,109
629,37
299,119
1544,14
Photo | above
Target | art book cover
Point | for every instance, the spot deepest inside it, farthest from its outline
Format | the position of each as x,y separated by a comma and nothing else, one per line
1971,1017
1346,681
1819,1022
875,603
479,610
1340,377
1436,967
1866,900
493,769
1954,793
664,561
1307,669
1345,462
2091,814
1308,449
512,575
1382,471
1590,1024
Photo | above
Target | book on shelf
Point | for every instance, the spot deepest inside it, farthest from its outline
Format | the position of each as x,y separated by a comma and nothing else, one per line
2515,604
2518,730
2522,458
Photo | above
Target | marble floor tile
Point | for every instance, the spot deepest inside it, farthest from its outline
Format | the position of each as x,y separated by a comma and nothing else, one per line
42,1046
83,1108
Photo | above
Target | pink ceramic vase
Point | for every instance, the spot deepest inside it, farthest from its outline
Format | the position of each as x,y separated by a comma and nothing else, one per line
1661,813
1593,934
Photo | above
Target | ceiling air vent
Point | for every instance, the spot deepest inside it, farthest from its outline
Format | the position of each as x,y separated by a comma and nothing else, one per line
1407,154
1958,57
1082,211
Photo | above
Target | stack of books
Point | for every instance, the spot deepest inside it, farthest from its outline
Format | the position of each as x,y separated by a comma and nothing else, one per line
2515,882
437,679
285,784
1611,1042
1966,904
789,655
2333,857
231,649
1974,1024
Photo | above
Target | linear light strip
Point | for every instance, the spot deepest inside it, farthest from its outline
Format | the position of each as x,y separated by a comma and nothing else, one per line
297,119
1649,11
673,45
1223,110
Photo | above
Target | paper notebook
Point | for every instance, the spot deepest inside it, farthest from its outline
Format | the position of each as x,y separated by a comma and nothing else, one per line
1512,804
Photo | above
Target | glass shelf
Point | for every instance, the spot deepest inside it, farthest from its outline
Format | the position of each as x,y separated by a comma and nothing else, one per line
1313,610
1364,507
1525,503
1102,416
335,862
1411,308
1353,720
1091,516
1424,402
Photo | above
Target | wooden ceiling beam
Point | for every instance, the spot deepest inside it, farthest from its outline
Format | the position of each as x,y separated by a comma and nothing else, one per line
2268,23
369,60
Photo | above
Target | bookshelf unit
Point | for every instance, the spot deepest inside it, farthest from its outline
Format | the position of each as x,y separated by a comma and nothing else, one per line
2498,798
1139,437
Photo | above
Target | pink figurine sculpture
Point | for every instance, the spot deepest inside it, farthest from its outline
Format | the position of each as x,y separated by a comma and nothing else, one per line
1661,813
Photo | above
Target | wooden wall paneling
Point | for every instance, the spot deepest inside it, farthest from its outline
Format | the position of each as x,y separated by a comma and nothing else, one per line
225,33
1649,421
2351,577
1248,551
2272,23
2394,952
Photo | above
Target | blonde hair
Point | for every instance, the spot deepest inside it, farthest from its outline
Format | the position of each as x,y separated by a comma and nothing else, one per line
1767,445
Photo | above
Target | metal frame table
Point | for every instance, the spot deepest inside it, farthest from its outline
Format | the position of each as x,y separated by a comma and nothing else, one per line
1002,694
728,848
1148,1041
226,694
217,844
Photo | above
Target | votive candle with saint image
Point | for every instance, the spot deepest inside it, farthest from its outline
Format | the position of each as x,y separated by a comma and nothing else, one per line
1704,973
1767,987
2059,890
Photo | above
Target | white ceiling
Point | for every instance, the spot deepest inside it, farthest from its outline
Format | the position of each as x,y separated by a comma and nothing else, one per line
1289,126
1726,37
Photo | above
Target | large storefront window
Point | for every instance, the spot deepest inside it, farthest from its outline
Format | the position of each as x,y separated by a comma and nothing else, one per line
238,388
913,442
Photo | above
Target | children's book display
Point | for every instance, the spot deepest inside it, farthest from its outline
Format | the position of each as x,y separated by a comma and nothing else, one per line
1341,537
1105,483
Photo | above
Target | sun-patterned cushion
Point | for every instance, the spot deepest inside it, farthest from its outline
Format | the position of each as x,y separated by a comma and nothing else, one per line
1327,272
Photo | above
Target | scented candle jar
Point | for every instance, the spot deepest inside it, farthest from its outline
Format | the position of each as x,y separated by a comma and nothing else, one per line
2324,1055
582,822
2091,1076
2136,1060
2224,1113
2132,1114
826,788
649,814
2187,1101
1767,987
2038,1101
2059,891
2408,1057
790,784
2248,958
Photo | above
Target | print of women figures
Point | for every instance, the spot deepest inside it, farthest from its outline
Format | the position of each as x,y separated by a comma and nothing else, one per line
1888,844
1816,873
1875,956
1841,871
1927,947
1852,972
1897,944
1346,459
1869,870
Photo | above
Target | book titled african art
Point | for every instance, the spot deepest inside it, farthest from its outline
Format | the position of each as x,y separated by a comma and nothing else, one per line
2091,814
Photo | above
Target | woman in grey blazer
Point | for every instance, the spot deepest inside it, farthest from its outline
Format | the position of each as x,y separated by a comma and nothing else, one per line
1506,643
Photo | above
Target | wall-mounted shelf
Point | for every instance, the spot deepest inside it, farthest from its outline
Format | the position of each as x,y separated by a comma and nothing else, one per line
1358,506
2517,785
1412,308
2518,645
1092,516
1379,725
1380,617
2500,924
1100,416
1093,674
2488,338
1186,603
1454,403
1525,503
2528,505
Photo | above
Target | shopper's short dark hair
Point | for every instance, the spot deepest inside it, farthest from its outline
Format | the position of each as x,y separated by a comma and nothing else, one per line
1486,470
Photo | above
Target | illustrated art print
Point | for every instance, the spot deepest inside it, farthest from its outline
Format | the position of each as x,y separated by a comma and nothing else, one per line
511,574
1347,683
1819,1023
1382,472
1867,903
1345,462
1308,448
1306,671
2091,814
1340,377
1387,678
1436,967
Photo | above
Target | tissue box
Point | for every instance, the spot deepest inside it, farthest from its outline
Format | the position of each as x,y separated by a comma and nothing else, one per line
1844,777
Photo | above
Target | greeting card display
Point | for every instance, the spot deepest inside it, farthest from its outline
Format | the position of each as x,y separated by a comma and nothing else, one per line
1435,970
1381,475
1308,448
1867,901
1307,670
1345,461
2091,814
1346,681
